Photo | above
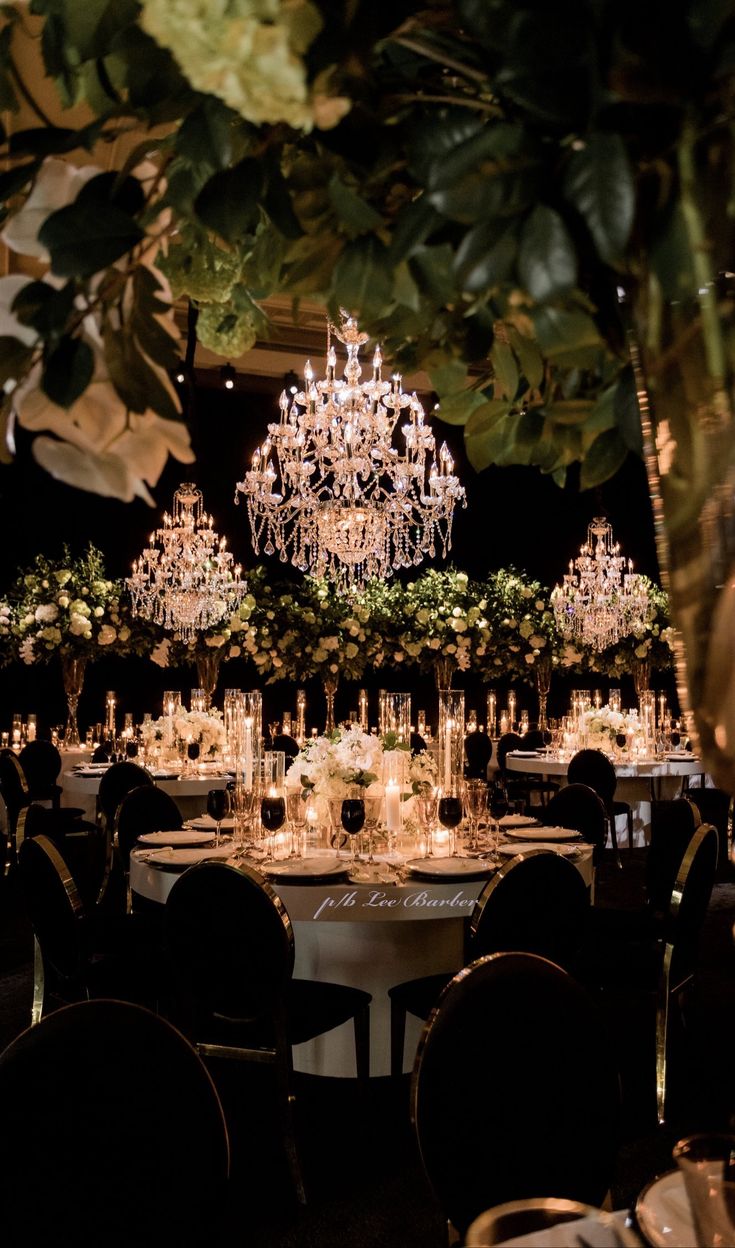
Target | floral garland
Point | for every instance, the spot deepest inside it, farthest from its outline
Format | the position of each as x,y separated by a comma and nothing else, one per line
441,616
70,606
523,627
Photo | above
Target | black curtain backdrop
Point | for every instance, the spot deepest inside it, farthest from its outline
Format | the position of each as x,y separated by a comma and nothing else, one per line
514,516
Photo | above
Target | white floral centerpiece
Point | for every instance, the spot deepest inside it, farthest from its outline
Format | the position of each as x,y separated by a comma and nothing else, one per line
600,726
204,728
422,773
329,766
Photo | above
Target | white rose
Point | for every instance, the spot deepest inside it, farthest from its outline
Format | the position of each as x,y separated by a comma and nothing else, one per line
98,611
106,635
46,613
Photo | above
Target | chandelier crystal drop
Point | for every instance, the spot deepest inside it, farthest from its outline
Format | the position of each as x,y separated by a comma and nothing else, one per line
185,579
329,490
601,599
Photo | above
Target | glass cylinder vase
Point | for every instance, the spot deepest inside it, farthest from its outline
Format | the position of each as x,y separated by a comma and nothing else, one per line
394,715
208,661
451,736
330,688
72,674
245,740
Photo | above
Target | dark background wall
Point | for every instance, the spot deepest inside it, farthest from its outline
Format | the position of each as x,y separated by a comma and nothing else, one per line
514,516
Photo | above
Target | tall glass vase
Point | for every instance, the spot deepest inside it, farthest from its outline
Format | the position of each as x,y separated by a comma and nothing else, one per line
543,685
208,660
72,674
451,737
444,669
641,673
330,688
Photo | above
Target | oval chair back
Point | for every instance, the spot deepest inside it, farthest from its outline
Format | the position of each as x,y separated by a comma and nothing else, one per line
595,769
690,898
579,807
509,741
13,787
492,1123
118,780
673,824
41,762
538,903
478,750
230,944
142,810
55,910
81,1131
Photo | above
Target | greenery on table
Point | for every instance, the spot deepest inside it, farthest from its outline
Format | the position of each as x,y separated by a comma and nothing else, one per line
475,180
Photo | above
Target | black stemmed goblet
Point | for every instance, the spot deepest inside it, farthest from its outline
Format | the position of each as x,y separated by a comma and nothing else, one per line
450,814
218,801
131,749
353,821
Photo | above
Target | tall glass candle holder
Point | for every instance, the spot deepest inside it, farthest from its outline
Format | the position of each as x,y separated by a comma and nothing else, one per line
614,700
273,772
31,727
647,709
395,715
362,709
492,713
512,705
451,735
300,716
198,700
110,709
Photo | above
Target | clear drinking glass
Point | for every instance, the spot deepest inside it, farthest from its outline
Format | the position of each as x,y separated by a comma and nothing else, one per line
475,800
707,1163
426,806
296,814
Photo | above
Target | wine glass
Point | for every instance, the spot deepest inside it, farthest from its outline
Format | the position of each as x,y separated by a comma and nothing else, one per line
193,750
498,804
272,814
426,805
621,741
475,794
352,816
218,801
131,749
296,814
450,814
372,818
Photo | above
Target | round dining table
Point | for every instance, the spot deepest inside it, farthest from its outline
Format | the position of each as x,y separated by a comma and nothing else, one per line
369,935
189,792
640,781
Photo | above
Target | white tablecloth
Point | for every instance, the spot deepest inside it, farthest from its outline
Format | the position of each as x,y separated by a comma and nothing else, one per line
370,936
190,794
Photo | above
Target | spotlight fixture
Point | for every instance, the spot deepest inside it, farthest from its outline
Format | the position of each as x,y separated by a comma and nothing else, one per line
228,376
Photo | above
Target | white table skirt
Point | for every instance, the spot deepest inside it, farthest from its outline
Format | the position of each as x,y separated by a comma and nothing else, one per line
635,781
190,794
368,936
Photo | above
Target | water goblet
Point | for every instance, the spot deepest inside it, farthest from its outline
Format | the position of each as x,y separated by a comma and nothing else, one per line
498,805
296,814
450,815
352,815
131,749
193,750
217,806
426,805
475,796
372,817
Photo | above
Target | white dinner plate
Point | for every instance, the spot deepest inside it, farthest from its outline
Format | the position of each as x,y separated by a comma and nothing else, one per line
449,868
170,857
518,821
207,823
682,757
309,870
512,850
663,1213
177,837
92,773
524,753
542,833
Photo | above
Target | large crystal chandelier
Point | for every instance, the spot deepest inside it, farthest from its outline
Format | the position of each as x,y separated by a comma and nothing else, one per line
185,579
329,490
602,599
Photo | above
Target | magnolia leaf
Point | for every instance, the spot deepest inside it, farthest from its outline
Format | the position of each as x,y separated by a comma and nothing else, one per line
547,263
353,211
486,433
433,139
476,196
15,359
485,257
91,27
496,143
405,290
135,380
602,416
529,356
277,203
506,368
447,376
44,308
569,411
599,182
561,331
228,202
432,268
603,459
363,281
68,371
310,264
205,136
92,233
457,409
412,227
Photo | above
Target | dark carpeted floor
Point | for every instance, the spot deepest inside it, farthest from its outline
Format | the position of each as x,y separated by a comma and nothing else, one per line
364,1177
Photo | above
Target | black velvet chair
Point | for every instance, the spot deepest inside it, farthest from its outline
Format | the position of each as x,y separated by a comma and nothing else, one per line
81,845
577,806
75,956
645,983
288,745
41,763
478,750
515,1090
715,807
111,1133
16,796
142,810
230,946
536,902
520,786
116,782
594,768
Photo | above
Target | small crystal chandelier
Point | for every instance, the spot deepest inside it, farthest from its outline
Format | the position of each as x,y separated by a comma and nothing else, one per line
601,600
184,580
329,491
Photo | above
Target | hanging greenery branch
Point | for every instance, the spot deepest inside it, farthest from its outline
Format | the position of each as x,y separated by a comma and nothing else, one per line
473,181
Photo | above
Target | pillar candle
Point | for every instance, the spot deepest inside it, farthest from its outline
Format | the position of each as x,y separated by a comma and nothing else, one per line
248,753
393,806
448,755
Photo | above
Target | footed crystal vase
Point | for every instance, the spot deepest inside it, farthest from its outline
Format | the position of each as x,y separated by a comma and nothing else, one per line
72,674
444,669
543,685
208,661
330,688
641,673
